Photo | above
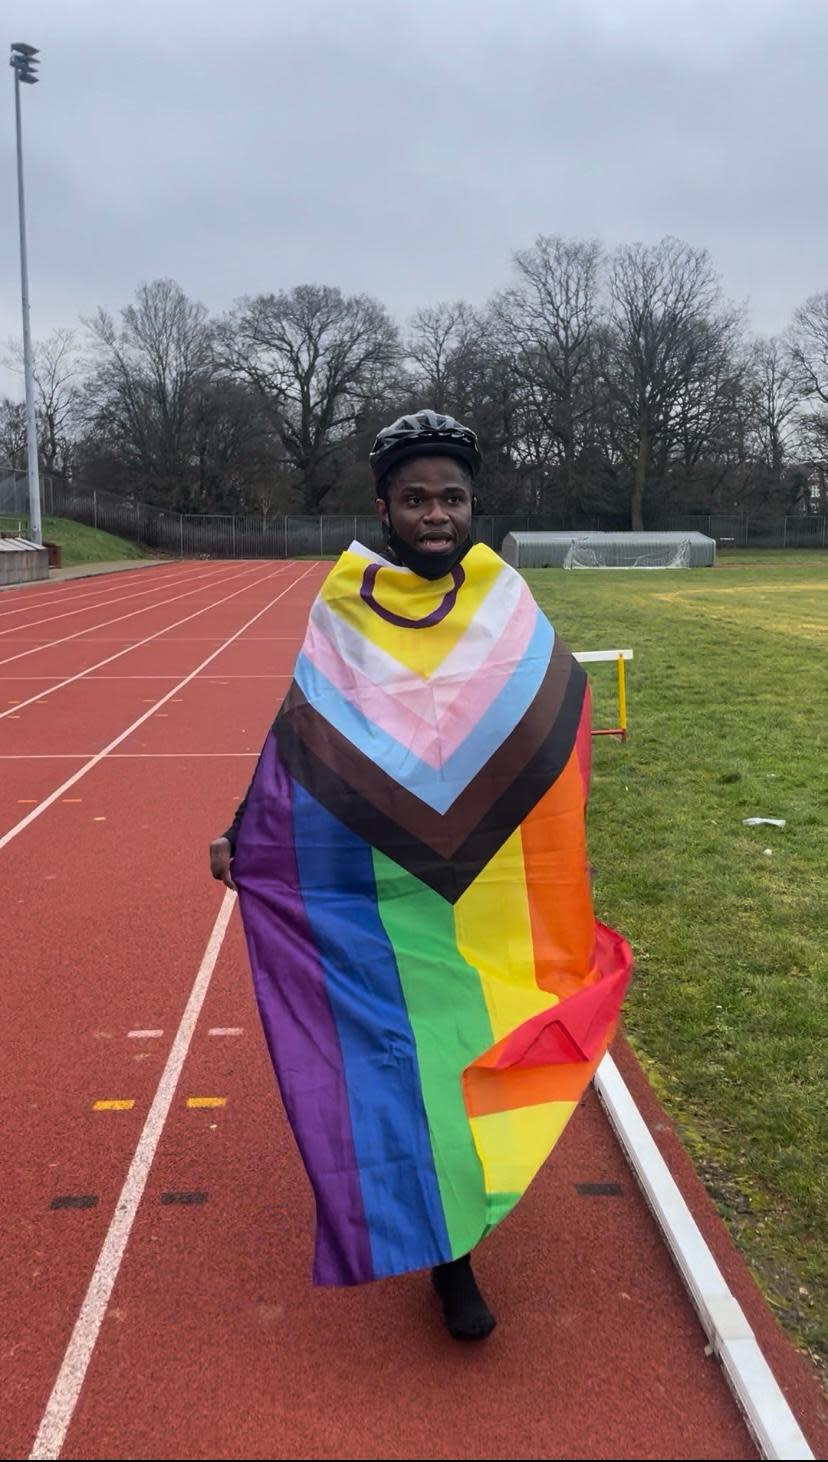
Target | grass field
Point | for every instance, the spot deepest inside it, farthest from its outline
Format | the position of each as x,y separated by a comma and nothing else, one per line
80,543
728,704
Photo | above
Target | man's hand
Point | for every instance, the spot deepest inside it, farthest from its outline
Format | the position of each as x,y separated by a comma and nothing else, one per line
220,856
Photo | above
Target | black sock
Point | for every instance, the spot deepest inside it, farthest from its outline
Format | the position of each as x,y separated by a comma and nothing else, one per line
466,1313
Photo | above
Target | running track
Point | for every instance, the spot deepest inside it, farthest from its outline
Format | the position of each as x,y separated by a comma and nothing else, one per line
132,709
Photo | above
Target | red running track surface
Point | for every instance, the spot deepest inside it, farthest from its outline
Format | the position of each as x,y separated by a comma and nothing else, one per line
213,1342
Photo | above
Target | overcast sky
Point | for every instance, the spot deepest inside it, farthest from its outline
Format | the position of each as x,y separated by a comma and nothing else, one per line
405,148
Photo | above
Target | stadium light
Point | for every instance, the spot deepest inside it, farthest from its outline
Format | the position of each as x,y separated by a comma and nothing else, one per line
24,64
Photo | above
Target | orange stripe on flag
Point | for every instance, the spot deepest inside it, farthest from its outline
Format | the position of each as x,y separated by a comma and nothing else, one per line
557,882
524,1086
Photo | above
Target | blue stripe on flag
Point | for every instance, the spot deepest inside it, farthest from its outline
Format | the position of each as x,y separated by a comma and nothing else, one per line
401,1196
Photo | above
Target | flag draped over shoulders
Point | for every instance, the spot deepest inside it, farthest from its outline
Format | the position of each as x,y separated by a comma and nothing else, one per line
435,990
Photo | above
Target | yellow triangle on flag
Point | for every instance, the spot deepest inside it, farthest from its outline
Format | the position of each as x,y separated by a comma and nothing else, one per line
406,595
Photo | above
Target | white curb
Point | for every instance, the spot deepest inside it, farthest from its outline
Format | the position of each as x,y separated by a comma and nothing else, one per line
769,1417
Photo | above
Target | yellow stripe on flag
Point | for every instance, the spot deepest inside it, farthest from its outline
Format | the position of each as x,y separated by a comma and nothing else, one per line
395,591
512,1145
494,934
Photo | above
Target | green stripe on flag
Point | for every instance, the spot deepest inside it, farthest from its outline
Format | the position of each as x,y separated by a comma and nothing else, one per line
499,1204
451,1027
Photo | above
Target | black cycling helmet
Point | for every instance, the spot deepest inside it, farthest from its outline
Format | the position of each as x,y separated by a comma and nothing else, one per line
426,434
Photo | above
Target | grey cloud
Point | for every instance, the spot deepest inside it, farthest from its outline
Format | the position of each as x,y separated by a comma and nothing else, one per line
406,147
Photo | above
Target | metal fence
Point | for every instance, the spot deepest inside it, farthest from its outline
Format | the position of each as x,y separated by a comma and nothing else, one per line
190,535
14,493
797,530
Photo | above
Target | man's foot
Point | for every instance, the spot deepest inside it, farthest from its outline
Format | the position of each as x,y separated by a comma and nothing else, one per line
465,1311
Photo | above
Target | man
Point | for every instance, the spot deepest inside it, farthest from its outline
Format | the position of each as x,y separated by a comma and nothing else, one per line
434,988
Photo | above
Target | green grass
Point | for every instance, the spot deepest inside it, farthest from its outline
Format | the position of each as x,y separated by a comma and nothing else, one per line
80,543
728,715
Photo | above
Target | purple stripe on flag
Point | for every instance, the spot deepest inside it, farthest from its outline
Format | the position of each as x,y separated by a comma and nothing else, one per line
445,606
298,1022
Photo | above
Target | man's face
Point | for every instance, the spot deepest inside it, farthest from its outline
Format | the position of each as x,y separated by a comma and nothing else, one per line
430,504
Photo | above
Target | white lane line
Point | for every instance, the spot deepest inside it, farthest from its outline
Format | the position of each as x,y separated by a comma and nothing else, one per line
42,807
111,592
114,756
183,639
227,675
50,644
769,1417
137,645
225,1030
53,590
36,643
64,1398
70,591
144,1035
104,603
92,677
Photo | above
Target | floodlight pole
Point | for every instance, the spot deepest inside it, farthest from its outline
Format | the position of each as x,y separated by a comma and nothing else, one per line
35,527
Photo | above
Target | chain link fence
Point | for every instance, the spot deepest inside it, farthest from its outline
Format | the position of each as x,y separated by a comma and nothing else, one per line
797,530
223,535
14,493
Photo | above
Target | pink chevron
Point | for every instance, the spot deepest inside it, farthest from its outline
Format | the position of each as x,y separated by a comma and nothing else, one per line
456,709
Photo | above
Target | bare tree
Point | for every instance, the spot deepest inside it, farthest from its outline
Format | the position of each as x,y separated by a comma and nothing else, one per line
808,345
444,346
777,395
149,372
701,443
317,360
460,366
808,352
663,298
235,457
12,434
547,321
56,372
56,369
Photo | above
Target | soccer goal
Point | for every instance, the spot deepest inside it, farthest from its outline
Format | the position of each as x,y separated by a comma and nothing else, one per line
593,550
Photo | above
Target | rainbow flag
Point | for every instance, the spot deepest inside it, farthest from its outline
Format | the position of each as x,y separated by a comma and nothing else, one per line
434,988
